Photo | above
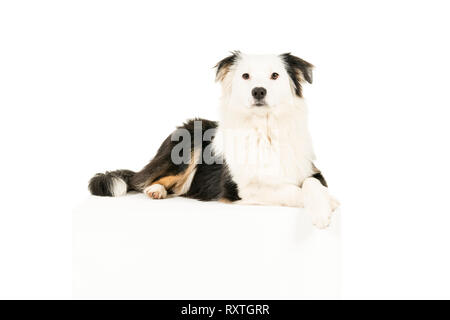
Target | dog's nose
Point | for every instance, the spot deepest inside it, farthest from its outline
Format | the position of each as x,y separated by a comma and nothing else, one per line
259,93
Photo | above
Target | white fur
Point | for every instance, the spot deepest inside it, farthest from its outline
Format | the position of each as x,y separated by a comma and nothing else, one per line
268,149
187,183
284,195
318,202
156,191
119,187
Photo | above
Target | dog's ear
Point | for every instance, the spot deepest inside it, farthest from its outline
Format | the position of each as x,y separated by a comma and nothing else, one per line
298,70
224,65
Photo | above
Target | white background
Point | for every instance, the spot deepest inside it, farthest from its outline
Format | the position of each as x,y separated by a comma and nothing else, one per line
87,86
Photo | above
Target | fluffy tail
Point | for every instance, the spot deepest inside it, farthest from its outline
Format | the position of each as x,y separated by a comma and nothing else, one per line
111,183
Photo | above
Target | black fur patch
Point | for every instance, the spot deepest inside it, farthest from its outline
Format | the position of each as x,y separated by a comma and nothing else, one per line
213,182
298,70
321,179
210,182
160,166
224,65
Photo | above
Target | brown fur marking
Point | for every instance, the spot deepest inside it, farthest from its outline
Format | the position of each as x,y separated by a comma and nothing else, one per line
175,183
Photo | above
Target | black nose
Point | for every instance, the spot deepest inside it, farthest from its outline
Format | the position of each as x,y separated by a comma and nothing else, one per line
259,93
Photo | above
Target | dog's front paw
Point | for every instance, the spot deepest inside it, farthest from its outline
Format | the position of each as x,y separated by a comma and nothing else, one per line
156,191
320,215
318,203
334,203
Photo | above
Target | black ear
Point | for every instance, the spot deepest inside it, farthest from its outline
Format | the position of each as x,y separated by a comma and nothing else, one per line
298,70
223,66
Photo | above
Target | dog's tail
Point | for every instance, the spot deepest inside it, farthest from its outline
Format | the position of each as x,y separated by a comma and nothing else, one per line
111,183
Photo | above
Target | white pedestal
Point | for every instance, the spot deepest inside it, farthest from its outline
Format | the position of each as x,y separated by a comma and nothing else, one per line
133,247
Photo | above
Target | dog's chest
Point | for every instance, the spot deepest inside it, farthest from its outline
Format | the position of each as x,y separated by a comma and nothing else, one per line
266,154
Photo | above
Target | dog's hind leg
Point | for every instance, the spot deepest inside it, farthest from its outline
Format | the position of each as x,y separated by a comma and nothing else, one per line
158,188
166,174
170,181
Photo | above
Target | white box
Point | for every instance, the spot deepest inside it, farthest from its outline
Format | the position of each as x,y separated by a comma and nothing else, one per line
133,247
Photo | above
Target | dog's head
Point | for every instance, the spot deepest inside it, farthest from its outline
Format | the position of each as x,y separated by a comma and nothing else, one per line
256,82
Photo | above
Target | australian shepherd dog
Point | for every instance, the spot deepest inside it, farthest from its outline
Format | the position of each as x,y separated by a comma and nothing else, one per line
260,152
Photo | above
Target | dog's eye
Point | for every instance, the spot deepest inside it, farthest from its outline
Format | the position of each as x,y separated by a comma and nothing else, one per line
245,76
274,76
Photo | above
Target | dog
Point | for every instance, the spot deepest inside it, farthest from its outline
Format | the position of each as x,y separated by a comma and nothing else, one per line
260,152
